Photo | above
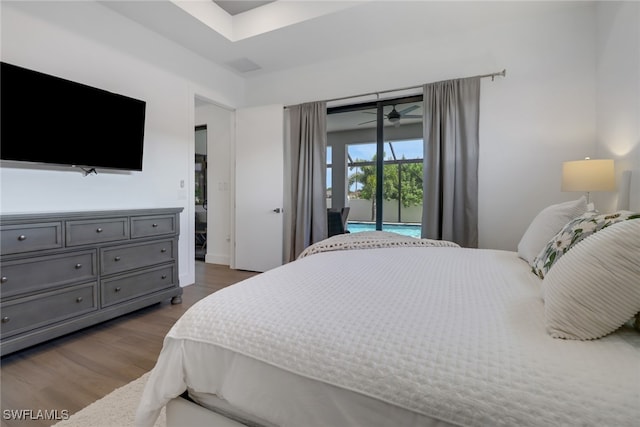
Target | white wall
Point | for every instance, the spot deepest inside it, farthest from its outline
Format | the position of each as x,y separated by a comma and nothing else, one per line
540,115
89,43
618,96
219,123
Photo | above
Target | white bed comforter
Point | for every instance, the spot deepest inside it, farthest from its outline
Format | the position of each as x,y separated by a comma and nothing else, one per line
455,334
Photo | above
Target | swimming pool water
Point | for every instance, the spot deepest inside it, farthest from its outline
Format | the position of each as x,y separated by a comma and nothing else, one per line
412,230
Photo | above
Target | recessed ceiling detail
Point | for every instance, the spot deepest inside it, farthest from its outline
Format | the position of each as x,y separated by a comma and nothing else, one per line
235,7
270,16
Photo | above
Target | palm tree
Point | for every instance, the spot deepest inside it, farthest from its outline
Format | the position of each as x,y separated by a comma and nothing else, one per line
405,186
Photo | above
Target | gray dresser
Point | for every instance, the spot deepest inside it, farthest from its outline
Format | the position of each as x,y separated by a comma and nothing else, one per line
60,272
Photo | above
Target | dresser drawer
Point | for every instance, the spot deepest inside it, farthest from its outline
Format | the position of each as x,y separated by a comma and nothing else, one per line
126,257
30,237
39,273
28,313
154,225
122,288
83,232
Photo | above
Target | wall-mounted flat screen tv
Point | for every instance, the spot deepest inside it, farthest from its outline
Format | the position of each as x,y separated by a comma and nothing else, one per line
47,119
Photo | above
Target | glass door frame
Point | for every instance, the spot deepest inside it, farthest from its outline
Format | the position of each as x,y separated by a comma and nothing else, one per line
379,106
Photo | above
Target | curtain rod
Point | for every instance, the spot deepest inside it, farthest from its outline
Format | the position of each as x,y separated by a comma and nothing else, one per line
502,73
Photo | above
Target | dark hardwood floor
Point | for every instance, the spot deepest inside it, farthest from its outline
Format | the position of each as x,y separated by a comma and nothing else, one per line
70,372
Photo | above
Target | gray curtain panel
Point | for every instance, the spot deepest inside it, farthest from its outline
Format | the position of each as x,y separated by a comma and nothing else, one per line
451,122
305,177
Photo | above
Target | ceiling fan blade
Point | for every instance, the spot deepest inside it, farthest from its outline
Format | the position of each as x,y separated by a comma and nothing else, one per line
373,112
411,116
364,123
408,109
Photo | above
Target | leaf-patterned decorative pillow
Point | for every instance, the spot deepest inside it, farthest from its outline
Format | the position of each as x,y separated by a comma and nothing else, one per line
576,230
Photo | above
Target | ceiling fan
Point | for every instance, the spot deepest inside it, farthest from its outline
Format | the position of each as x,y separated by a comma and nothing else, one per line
394,115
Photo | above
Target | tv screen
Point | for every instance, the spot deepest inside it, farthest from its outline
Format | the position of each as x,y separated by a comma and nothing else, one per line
47,119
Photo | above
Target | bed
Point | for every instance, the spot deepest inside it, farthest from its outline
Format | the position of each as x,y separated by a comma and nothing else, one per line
400,333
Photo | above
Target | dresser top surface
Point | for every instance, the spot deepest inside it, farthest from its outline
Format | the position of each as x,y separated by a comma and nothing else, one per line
64,215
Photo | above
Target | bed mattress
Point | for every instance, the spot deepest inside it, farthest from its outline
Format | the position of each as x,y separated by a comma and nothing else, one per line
450,335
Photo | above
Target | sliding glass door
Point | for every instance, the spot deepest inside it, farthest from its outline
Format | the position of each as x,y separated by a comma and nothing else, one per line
380,147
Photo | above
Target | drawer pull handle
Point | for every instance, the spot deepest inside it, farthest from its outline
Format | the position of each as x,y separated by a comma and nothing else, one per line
99,230
154,225
4,279
5,319
117,258
79,299
22,237
117,289
164,276
163,250
78,266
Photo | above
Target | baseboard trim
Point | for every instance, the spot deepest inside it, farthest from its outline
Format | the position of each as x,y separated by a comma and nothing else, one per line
216,259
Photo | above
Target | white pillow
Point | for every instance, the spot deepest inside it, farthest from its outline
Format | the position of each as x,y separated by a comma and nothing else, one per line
573,233
595,287
546,224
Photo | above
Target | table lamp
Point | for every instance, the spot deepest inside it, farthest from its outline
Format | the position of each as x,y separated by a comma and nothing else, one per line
588,175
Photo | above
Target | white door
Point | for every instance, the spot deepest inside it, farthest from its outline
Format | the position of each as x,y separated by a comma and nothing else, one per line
259,188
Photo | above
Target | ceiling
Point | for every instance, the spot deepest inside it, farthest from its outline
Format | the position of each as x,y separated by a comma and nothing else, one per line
284,34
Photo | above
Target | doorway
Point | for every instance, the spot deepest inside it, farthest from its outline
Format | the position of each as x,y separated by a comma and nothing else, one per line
200,186
377,164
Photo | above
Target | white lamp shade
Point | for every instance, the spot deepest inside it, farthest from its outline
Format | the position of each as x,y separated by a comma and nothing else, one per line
588,175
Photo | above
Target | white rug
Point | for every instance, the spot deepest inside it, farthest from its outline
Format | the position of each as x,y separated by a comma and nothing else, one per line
117,409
